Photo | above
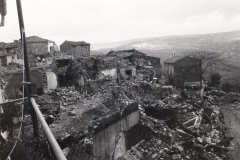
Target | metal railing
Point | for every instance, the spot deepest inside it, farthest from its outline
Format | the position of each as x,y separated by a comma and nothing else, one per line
56,148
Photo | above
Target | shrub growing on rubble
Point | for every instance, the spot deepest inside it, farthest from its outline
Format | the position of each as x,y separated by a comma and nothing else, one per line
215,80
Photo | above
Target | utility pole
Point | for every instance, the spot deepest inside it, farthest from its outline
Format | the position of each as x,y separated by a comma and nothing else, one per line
3,11
26,64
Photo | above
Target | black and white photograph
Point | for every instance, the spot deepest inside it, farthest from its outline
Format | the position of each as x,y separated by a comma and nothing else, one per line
119,79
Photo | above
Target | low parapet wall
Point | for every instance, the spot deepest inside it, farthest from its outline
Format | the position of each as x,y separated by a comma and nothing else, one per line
112,140
109,135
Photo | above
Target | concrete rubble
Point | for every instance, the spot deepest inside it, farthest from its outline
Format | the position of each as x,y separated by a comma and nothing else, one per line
171,126
176,128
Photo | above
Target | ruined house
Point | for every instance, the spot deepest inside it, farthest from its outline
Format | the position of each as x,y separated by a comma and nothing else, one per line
135,64
155,63
8,53
40,46
37,47
106,66
179,70
77,49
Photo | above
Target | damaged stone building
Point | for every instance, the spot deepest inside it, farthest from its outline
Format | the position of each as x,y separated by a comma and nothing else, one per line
178,70
107,107
40,46
8,53
77,49
135,64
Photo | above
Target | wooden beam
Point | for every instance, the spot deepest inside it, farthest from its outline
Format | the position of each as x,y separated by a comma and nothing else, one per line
12,101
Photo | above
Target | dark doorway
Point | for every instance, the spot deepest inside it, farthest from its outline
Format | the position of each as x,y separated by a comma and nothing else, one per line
128,72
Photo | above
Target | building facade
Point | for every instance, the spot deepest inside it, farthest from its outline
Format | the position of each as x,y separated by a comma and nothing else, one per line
40,46
77,49
8,53
135,64
179,70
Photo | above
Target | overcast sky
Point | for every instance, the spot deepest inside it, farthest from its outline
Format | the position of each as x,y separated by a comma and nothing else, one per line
97,21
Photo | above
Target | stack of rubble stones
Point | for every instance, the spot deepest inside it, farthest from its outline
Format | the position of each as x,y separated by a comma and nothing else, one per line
182,130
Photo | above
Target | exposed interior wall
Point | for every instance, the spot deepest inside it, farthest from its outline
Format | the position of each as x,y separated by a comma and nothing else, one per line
20,61
50,45
12,59
51,80
13,87
128,72
106,141
110,72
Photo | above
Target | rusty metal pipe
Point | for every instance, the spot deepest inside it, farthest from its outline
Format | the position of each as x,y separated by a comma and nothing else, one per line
56,148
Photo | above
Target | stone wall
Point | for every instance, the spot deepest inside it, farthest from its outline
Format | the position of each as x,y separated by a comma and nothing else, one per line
51,80
155,62
112,135
3,60
81,51
106,141
15,83
123,72
66,48
77,51
37,48
110,72
187,69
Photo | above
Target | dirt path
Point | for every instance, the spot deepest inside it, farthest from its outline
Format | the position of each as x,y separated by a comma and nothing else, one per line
232,119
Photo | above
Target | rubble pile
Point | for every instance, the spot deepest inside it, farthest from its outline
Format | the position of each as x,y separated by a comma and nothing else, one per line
11,67
233,97
183,131
66,95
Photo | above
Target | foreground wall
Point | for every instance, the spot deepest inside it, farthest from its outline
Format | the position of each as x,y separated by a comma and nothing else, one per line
111,136
112,142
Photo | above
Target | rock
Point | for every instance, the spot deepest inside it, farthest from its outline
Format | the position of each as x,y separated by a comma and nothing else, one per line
208,140
62,109
154,155
176,156
180,148
72,113
66,151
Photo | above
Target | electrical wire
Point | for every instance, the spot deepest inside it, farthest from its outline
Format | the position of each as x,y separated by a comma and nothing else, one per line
23,96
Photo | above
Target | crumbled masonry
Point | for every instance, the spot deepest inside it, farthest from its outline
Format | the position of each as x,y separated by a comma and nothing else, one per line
172,125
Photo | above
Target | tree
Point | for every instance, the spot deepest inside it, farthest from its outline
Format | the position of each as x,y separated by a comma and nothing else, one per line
215,80
226,87
208,59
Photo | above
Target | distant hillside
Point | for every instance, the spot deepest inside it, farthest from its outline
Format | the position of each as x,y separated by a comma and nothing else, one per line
163,47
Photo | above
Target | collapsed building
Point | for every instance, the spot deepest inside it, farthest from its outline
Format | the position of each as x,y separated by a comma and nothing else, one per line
40,52
8,53
133,63
109,107
179,70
